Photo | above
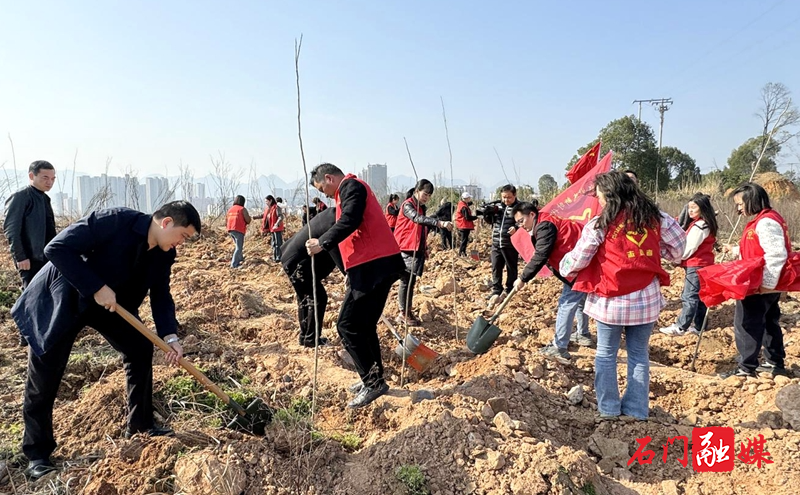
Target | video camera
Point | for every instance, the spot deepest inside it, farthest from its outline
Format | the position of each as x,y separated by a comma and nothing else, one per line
489,211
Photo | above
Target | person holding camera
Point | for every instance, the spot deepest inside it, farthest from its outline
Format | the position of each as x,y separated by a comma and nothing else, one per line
503,252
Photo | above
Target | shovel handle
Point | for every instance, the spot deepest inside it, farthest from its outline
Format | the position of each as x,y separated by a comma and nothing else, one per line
196,373
391,328
503,305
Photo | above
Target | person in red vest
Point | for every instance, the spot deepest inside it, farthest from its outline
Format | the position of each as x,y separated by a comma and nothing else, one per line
321,206
273,224
756,320
392,210
701,234
411,234
552,238
617,261
238,219
465,221
372,262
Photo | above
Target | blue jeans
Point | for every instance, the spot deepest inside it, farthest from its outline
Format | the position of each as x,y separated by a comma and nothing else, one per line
238,251
635,402
570,306
277,242
693,308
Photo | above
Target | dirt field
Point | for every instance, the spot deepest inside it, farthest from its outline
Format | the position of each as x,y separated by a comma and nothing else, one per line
240,327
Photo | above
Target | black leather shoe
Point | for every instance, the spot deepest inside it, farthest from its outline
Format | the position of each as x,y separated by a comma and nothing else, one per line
37,469
22,341
156,431
737,372
367,395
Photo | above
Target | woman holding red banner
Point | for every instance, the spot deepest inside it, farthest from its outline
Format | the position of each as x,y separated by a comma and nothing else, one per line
617,260
756,321
701,234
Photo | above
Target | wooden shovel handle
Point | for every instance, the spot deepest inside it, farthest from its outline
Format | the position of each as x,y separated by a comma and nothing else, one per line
196,373
503,305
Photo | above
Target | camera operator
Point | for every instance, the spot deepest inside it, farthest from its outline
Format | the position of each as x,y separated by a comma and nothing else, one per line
503,252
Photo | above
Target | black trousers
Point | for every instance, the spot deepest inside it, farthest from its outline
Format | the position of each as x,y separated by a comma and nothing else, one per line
306,315
447,238
756,322
408,279
507,257
462,249
358,328
45,373
27,275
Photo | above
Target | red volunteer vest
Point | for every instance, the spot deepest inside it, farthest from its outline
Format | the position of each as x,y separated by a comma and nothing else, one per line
625,262
704,256
235,219
568,234
372,239
273,219
409,235
390,219
749,247
321,206
461,221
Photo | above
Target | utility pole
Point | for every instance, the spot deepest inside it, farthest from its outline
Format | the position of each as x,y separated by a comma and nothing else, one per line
662,105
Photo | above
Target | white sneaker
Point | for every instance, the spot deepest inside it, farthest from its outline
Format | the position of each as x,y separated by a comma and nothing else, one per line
672,330
693,330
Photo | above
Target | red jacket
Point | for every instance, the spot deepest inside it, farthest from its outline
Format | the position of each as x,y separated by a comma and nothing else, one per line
272,219
461,221
390,219
372,239
410,236
749,247
627,261
235,219
569,232
321,206
704,255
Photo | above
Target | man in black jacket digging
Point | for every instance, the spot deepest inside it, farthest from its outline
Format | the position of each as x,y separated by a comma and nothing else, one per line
111,257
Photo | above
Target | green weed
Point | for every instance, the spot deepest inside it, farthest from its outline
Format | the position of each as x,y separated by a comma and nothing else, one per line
414,479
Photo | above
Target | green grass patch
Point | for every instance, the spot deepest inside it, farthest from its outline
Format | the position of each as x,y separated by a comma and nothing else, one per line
413,478
349,441
187,393
588,488
298,411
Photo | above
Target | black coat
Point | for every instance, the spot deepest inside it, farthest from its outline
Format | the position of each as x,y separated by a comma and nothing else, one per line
29,224
294,252
108,247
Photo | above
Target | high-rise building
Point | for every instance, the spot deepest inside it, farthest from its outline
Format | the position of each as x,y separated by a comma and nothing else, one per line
376,176
473,190
157,192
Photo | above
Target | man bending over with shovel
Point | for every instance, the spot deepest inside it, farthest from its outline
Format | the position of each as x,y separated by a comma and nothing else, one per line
111,257
372,262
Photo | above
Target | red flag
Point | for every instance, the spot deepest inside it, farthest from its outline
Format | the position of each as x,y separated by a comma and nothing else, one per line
741,278
587,162
522,242
574,203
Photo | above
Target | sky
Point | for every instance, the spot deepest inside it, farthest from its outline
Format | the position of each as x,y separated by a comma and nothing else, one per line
156,84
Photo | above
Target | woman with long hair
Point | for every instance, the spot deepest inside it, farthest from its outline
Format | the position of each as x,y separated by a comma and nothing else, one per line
617,261
237,221
411,234
701,234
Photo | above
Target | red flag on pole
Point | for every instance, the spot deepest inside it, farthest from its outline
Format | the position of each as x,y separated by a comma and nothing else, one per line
587,162
741,278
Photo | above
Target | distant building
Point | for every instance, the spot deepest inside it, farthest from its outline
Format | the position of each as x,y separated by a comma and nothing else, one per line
376,176
157,192
475,191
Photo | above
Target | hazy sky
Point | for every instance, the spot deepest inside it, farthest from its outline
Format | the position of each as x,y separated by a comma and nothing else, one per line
154,83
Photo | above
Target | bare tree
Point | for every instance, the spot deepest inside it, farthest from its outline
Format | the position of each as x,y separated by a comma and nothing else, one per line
254,188
778,113
226,180
186,180
131,182
14,161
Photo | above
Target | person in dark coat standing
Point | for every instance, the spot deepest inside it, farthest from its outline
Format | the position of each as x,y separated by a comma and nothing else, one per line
297,265
445,214
504,255
30,223
372,261
108,258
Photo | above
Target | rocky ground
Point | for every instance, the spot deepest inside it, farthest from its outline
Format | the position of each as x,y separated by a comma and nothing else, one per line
508,421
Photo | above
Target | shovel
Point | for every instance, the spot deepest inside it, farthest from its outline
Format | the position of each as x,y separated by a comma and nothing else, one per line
483,332
417,355
252,419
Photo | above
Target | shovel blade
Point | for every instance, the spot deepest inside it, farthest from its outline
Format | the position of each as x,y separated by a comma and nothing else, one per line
422,357
255,419
481,336
474,255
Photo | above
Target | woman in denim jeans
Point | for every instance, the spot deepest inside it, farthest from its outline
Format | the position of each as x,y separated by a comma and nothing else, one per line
701,234
617,261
